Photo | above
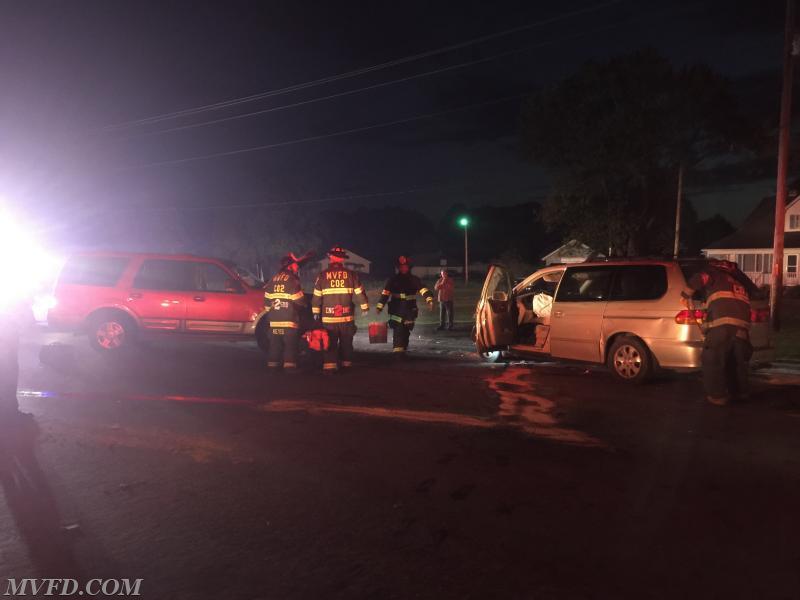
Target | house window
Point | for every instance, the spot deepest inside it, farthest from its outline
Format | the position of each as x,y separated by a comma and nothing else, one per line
746,262
794,222
791,265
767,266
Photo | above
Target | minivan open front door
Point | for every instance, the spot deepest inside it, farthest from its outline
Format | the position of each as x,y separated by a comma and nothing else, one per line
495,317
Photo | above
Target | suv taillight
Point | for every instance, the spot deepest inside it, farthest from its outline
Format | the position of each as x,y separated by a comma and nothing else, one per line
690,317
759,315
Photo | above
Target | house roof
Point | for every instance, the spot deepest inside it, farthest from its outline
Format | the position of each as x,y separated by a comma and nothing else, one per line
757,230
571,248
353,257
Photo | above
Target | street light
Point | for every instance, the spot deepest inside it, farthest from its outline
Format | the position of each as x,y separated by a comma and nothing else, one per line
464,222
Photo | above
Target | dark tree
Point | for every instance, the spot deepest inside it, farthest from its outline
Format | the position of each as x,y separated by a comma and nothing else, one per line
381,234
706,232
614,136
496,231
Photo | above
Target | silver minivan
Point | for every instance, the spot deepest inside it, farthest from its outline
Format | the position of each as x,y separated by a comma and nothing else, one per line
626,314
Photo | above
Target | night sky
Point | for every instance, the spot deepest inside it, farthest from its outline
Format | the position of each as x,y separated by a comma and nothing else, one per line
72,72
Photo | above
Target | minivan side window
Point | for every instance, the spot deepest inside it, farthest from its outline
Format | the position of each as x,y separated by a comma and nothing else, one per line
585,284
102,271
639,282
158,274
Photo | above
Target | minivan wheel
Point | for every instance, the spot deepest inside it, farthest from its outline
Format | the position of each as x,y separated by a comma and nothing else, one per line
630,360
492,356
110,331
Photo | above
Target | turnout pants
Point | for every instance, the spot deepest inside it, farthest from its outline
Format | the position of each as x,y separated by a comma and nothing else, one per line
726,362
446,313
283,343
340,345
401,333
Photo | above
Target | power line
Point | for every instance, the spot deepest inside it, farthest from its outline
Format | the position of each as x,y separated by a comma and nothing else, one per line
322,136
356,72
410,191
378,85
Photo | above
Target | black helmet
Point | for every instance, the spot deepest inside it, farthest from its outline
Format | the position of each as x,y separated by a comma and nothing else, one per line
338,252
289,259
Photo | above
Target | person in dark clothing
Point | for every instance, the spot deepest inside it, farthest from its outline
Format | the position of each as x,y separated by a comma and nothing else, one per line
13,318
401,292
726,349
445,289
335,292
284,299
9,367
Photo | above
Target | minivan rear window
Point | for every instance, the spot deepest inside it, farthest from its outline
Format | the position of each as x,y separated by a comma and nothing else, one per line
639,282
101,271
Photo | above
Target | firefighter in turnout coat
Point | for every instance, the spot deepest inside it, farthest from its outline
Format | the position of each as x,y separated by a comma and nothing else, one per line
726,350
284,300
336,292
401,294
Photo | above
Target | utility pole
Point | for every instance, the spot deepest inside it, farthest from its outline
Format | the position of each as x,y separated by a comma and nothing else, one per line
464,222
678,204
776,289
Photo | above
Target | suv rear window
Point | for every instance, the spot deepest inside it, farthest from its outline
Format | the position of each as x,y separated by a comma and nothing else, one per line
639,282
102,271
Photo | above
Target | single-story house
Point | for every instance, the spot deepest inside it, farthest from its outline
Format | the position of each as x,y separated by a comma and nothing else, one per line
751,245
356,262
571,252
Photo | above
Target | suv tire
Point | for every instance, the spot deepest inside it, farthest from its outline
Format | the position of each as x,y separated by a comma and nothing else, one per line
110,331
630,360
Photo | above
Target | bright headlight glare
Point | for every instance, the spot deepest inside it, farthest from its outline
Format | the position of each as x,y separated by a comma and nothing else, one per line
25,268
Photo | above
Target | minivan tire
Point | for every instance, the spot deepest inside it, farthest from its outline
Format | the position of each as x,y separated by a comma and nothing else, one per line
630,360
492,356
110,331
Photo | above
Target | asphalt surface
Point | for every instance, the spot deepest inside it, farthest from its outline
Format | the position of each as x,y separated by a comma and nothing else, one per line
437,476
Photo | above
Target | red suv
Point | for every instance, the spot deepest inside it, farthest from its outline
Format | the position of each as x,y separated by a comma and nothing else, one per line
117,297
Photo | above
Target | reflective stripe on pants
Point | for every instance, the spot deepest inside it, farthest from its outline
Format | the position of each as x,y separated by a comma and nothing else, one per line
340,343
283,343
726,358
401,334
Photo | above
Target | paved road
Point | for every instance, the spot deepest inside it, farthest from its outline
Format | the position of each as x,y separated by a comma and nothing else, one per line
436,477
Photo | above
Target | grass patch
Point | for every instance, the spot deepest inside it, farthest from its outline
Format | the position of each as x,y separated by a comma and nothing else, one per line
787,340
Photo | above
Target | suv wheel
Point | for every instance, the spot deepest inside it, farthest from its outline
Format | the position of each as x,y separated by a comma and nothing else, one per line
630,360
110,331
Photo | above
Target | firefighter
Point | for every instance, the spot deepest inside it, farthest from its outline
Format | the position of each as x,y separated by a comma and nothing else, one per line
726,350
335,294
401,293
9,366
284,300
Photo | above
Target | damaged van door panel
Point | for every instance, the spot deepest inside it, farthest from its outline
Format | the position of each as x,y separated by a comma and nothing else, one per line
496,323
